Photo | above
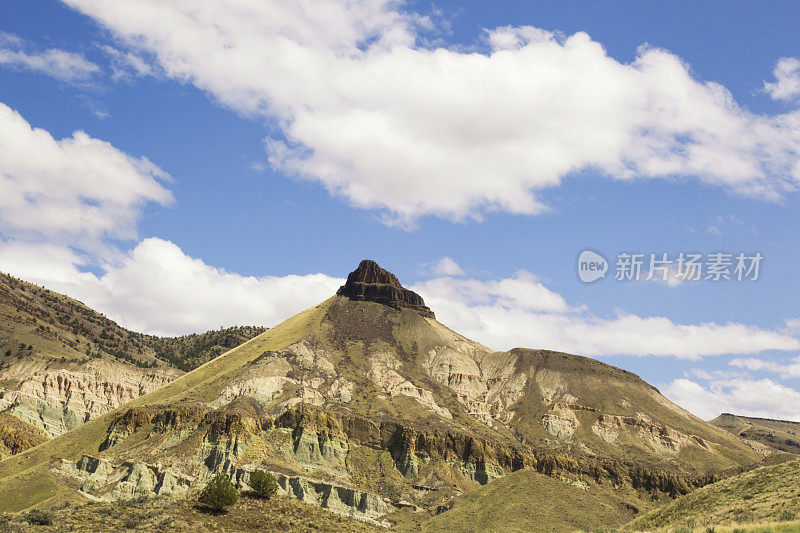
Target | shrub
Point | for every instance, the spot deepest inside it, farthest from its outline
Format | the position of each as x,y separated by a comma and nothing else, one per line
219,493
39,517
263,484
133,520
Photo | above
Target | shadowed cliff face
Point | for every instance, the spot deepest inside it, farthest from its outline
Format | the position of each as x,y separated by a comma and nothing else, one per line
369,282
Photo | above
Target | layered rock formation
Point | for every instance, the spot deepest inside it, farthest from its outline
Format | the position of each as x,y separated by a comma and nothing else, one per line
59,400
370,283
62,363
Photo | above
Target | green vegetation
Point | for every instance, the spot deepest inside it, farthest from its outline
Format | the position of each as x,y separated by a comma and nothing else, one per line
219,493
190,351
39,517
765,494
264,484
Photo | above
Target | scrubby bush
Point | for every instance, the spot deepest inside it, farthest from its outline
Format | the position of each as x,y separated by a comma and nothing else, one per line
39,517
263,484
219,493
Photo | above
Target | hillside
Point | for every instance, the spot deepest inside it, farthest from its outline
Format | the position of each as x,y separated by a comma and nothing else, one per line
767,494
37,321
62,363
514,503
367,406
187,352
17,435
779,434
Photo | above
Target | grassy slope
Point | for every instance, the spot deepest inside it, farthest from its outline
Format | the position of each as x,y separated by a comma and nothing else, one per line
529,501
779,434
765,494
27,475
248,514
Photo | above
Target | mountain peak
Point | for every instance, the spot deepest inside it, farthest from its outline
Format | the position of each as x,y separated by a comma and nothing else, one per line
371,283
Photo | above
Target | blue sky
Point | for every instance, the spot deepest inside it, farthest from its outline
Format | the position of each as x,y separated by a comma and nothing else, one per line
285,144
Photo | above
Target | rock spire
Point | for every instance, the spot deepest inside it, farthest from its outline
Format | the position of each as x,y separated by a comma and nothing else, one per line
371,283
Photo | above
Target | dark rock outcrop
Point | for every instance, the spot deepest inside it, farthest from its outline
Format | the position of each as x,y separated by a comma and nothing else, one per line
369,282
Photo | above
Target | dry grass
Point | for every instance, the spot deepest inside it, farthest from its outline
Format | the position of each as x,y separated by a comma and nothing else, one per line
767,494
248,514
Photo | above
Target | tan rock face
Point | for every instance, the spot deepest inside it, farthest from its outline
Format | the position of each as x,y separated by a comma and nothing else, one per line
60,400
561,423
662,439
384,373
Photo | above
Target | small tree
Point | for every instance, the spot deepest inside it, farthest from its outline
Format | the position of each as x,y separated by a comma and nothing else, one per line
219,493
263,484
39,517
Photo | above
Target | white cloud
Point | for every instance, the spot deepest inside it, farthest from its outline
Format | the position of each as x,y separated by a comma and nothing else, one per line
448,267
761,398
158,289
390,124
127,65
75,191
521,311
59,64
787,80
790,369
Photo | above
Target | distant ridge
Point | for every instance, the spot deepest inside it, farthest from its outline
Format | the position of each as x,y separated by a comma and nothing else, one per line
782,435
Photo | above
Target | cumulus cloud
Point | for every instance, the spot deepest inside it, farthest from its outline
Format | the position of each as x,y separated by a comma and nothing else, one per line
158,289
521,311
377,116
787,80
75,191
448,267
59,64
748,397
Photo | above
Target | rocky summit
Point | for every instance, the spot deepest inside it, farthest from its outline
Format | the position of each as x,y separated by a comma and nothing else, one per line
371,283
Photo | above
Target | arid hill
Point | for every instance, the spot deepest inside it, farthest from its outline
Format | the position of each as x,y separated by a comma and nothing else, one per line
367,406
62,363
